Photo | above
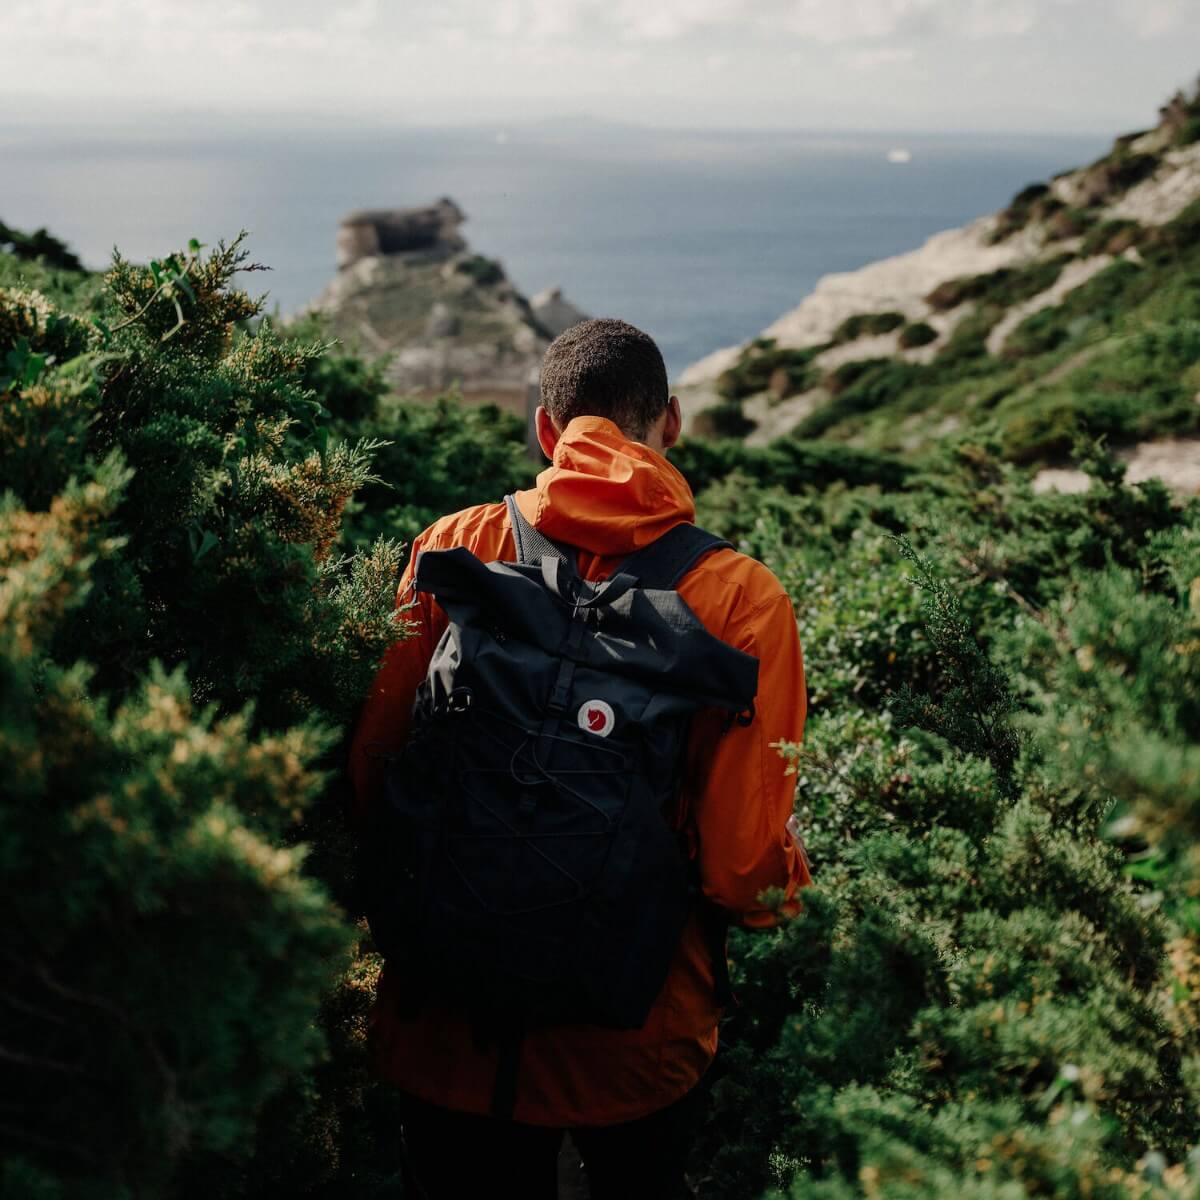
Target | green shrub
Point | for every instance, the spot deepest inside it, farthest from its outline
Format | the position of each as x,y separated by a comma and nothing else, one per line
848,373
436,458
1137,387
433,457
967,343
1048,427
724,420
860,387
63,287
1069,223
1028,194
1175,242
1020,210
787,462
762,365
1124,170
177,650
484,271
971,1004
1189,132
40,246
1004,287
1111,237
1044,331
867,325
918,333
351,389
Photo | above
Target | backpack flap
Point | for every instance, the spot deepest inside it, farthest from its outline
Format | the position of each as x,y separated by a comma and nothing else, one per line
511,599
648,635
655,636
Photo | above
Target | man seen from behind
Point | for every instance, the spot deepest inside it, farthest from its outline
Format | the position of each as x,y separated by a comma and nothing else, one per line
632,1099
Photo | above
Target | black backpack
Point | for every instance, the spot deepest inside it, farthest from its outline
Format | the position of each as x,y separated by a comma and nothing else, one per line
523,868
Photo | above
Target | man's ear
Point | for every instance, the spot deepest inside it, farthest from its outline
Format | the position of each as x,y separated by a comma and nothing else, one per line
674,423
547,435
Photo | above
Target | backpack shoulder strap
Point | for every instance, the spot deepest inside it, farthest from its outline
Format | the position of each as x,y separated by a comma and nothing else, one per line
662,564
533,546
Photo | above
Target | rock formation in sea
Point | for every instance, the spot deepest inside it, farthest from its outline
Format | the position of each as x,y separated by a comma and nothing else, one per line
411,289
370,233
554,313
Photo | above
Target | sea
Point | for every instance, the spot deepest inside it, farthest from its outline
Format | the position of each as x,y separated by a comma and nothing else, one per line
702,238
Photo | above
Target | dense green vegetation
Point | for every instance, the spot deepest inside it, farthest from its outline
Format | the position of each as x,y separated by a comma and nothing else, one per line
765,366
995,990
917,333
867,325
1009,285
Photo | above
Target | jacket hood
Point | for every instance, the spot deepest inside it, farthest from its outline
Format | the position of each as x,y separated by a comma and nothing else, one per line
605,494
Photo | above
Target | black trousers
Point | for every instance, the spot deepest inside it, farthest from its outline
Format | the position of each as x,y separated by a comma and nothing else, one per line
460,1156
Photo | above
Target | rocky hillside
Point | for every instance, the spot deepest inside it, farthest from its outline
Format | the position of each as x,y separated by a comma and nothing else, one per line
1075,309
410,289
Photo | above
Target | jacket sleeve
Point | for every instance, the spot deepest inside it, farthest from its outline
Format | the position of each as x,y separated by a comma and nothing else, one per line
384,721
740,795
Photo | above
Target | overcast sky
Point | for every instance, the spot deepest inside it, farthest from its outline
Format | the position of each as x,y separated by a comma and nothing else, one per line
995,65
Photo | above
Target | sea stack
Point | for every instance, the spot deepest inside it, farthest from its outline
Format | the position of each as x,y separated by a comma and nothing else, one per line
410,289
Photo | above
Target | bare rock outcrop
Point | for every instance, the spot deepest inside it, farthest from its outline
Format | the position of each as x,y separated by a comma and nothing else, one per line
369,233
410,289
554,313
1166,193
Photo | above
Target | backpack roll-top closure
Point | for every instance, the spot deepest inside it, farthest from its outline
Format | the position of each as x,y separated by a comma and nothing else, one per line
579,593
644,634
513,599
730,680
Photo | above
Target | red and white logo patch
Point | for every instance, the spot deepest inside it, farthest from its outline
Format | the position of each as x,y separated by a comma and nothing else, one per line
597,716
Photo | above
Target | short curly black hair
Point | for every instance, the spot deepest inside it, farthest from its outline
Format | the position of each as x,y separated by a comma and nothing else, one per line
605,368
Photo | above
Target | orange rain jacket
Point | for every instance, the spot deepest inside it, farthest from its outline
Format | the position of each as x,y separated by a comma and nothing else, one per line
610,496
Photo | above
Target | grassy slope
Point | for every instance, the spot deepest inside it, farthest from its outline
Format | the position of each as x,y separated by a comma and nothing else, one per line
1116,356
1119,357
